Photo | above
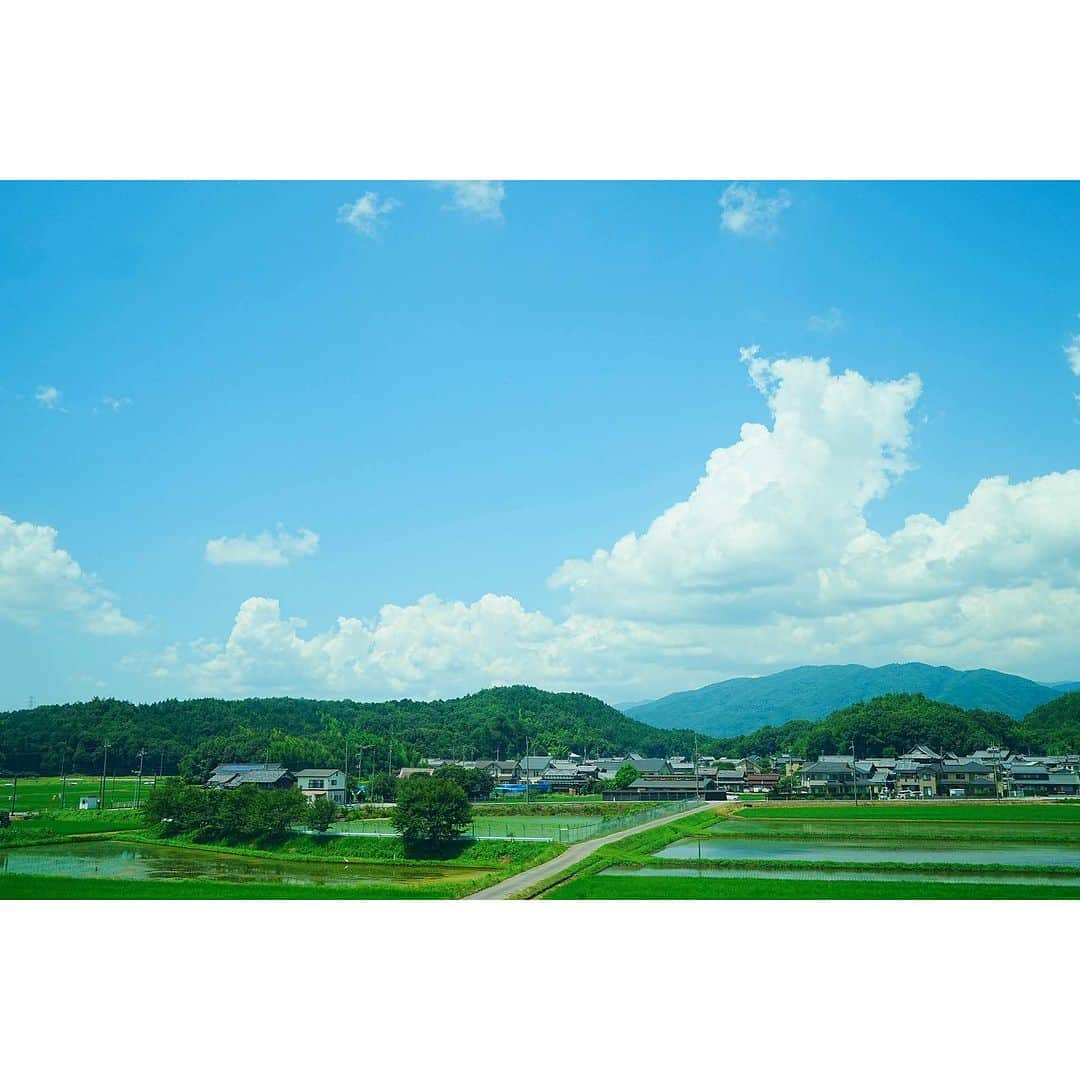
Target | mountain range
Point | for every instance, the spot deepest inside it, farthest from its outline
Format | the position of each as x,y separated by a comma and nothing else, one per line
738,706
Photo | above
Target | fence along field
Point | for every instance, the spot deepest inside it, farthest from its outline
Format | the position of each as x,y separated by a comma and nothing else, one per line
35,794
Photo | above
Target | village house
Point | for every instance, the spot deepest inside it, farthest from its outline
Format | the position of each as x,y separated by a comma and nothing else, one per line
568,778
322,784
967,778
1036,779
665,789
238,774
761,781
405,773
607,768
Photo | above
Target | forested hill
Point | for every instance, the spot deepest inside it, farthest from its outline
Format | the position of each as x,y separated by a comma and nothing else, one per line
893,723
197,734
737,706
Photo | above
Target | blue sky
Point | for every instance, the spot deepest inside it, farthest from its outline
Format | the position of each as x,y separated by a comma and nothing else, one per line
460,390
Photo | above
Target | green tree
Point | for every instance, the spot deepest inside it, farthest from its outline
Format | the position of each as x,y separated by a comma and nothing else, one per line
273,812
383,788
319,814
626,775
476,783
430,809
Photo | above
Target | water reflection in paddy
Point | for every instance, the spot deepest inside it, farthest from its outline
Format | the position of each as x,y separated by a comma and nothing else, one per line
841,875
854,851
126,861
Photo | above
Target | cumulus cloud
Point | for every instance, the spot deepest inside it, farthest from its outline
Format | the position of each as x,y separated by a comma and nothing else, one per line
113,404
1072,354
266,549
769,562
744,211
477,198
48,397
39,580
368,214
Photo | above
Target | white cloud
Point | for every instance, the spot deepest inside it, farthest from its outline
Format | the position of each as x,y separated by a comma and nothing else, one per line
1072,354
49,397
769,562
368,214
745,212
478,198
827,322
39,580
266,549
115,404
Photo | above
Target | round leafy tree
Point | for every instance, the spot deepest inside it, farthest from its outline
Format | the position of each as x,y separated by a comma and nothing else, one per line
430,809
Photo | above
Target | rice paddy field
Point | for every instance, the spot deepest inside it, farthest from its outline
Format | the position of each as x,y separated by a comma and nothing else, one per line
112,854
564,828
919,850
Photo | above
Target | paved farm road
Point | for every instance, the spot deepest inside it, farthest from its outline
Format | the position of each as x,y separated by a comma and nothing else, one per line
574,854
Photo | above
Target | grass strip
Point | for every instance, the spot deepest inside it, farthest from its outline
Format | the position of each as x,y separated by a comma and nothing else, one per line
650,888
33,887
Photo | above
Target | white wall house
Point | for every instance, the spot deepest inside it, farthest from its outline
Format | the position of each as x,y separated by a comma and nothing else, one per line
322,784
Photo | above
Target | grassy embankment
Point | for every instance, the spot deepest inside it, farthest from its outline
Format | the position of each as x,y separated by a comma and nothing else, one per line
894,825
63,826
689,888
29,887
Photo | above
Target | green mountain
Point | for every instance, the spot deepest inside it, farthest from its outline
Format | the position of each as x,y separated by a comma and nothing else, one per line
1056,724
192,736
885,727
893,723
737,706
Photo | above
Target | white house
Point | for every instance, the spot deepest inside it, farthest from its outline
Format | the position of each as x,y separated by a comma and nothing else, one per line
322,784
88,802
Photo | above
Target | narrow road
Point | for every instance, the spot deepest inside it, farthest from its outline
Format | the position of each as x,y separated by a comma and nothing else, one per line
572,856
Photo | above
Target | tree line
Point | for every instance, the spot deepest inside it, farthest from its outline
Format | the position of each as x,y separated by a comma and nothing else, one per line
191,737
430,810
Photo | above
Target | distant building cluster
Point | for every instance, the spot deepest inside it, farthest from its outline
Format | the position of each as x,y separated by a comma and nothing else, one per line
921,773
659,779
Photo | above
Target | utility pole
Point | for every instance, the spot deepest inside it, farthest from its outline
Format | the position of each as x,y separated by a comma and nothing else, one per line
14,789
104,767
360,763
854,774
161,766
138,781
526,769
346,770
63,777
697,785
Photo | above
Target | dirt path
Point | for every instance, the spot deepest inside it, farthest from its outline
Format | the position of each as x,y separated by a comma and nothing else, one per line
572,856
